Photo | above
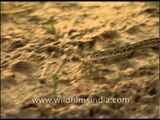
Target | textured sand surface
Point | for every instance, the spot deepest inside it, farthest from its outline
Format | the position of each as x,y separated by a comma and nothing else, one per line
36,36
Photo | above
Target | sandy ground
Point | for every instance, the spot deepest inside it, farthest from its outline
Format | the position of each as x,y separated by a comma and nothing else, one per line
40,33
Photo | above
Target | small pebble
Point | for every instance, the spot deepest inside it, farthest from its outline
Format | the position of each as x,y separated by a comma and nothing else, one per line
42,80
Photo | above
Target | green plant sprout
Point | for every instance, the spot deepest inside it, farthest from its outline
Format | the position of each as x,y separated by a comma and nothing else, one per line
49,27
55,80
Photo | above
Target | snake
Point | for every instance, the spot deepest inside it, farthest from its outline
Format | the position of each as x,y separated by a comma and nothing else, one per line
120,51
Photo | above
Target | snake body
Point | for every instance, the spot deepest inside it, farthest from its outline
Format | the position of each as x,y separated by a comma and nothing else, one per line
120,51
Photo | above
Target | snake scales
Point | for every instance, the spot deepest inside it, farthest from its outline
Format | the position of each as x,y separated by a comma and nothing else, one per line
120,51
